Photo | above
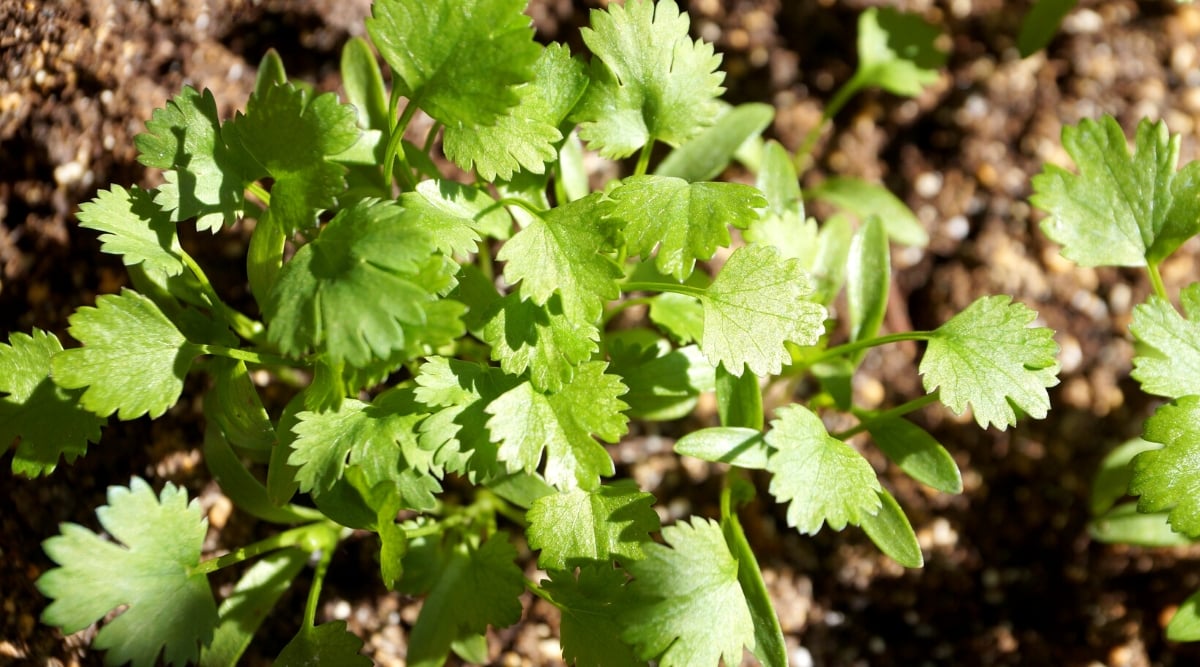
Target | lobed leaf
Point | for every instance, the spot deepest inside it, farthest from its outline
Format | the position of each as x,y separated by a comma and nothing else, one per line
592,604
897,51
326,644
168,610
541,339
135,228
1168,479
457,393
1168,360
610,522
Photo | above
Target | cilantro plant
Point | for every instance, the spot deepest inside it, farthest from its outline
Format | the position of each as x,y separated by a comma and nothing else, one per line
440,315
1135,210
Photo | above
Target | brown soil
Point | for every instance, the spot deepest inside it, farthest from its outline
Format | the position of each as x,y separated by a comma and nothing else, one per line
1011,576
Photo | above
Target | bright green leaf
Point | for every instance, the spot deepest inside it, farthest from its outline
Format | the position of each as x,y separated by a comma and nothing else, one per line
135,228
610,522
1168,360
1120,209
1185,624
167,608
205,177
234,404
890,530
1112,478
897,51
706,155
1169,478
687,607
742,447
292,136
527,422
823,478
685,221
663,383
541,339
989,357
133,359
868,279
243,611
454,215
679,315
459,60
364,84
779,183
650,81
457,393
326,644
917,453
757,302
865,199
1125,524
48,420
526,137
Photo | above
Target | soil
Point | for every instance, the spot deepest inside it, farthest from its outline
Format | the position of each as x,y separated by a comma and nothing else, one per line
1011,575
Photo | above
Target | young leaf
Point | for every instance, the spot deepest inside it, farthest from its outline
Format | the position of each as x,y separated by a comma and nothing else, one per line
865,199
739,399
133,359
236,407
292,136
897,51
205,177
677,593
457,392
663,384
527,136
249,604
679,315
1125,524
1169,478
356,292
685,221
1168,360
917,453
650,81
364,85
560,252
48,419
735,445
477,587
824,478
779,183
1185,624
868,279
610,522
135,228
459,60
591,604
989,357
1041,23
541,339
454,215
1112,478
757,302
379,436
1120,209
890,530
167,608
326,644
525,422
706,155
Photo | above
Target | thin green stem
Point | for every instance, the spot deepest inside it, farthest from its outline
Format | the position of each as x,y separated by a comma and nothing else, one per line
1156,281
483,253
846,349
521,204
289,538
251,330
839,100
643,162
431,137
250,356
648,286
621,307
314,591
868,418
560,188
259,191
540,592
395,150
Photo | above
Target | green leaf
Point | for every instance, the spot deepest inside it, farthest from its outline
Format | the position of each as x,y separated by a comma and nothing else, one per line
270,73
167,608
779,183
650,81
742,447
897,51
360,290
824,479
525,422
243,611
706,155
1125,524
868,279
685,221
1041,23
1111,481
610,522
739,399
1185,624
591,603
326,644
916,452
236,407
205,177
770,647
292,136
664,384
454,215
1120,209
677,593
379,436
459,60
1169,478
1168,360
989,357
539,338
364,85
133,359
679,315
242,487
890,530
135,228
560,252
477,587
758,301
457,392
828,263
526,137
48,420
865,199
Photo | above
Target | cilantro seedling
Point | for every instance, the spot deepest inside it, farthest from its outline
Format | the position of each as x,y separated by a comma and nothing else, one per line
447,348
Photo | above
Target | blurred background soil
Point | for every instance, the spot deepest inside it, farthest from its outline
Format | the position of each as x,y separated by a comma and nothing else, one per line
1011,575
